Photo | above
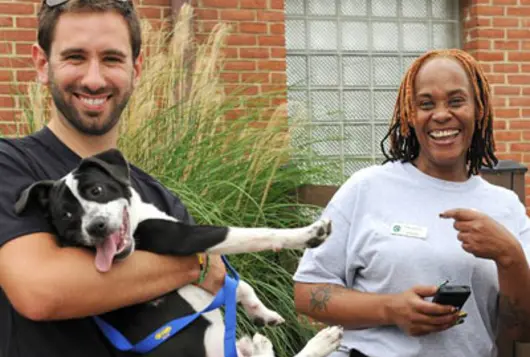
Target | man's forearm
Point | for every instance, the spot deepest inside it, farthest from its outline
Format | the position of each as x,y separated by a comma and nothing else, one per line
336,305
62,283
514,304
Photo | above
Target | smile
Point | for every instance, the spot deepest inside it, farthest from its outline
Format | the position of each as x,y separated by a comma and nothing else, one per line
444,134
92,103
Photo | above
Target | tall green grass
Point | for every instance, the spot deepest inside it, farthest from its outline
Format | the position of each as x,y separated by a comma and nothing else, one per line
226,171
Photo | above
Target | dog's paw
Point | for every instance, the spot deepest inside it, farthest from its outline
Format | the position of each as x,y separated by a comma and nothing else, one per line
245,347
319,231
267,318
323,343
262,346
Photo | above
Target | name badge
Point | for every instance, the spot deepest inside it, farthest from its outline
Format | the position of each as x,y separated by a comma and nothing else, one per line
408,230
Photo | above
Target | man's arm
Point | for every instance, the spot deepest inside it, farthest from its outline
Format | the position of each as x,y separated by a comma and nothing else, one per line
46,282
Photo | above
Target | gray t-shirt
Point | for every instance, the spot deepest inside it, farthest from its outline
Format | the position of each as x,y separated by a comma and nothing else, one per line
388,236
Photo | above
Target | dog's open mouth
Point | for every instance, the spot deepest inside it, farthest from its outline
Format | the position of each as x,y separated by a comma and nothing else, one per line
113,245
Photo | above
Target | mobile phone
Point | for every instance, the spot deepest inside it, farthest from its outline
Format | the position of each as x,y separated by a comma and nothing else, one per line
455,295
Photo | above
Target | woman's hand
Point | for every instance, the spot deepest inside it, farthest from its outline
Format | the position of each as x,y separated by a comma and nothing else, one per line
416,316
484,237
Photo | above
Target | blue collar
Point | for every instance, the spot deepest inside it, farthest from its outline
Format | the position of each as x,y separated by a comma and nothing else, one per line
226,296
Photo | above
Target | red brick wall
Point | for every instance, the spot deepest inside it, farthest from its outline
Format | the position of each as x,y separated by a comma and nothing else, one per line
497,33
255,50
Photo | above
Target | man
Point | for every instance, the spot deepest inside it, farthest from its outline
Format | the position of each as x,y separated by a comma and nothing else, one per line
89,56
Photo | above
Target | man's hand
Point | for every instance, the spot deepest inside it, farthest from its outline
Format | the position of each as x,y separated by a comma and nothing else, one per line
482,236
416,316
215,276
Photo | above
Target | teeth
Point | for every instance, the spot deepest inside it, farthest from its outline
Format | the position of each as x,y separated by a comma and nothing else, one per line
90,101
443,133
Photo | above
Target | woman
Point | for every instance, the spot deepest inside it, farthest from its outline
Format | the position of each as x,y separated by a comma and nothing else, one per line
423,217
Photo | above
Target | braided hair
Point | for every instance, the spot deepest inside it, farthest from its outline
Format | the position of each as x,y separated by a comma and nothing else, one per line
404,144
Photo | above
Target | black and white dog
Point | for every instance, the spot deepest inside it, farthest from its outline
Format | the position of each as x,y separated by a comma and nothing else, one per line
95,206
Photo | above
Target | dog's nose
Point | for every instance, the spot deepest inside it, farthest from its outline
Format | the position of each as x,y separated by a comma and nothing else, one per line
98,227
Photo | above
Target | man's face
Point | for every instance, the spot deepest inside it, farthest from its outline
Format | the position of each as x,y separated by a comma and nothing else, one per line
90,71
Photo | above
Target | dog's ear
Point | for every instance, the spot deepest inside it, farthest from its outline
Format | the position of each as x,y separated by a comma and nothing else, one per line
38,192
112,162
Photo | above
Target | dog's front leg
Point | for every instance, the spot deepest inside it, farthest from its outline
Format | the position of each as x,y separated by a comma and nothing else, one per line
245,240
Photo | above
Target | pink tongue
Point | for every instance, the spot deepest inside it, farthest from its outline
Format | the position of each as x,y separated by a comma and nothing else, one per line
105,252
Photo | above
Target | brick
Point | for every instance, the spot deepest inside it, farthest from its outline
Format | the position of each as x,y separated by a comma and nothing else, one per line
276,40
16,62
277,4
487,33
278,53
253,4
241,40
477,22
18,35
238,15
271,16
520,147
206,14
25,75
278,77
519,56
505,22
220,4
506,90
525,113
6,48
520,102
150,12
490,56
519,79
479,44
506,45
508,135
23,49
519,124
6,101
505,68
526,91
240,66
163,3
17,9
252,27
526,135
6,76
231,52
504,2
498,102
258,77
242,90
229,77
6,22
254,53
517,34
277,29
496,78
518,11
26,22
487,11
525,45
506,113
510,156
272,65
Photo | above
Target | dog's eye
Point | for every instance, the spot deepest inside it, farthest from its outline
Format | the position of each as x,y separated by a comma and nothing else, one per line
96,191
67,215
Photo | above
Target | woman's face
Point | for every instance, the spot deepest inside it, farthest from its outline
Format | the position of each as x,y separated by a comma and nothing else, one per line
445,118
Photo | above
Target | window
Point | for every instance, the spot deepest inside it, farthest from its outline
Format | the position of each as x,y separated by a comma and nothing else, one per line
345,60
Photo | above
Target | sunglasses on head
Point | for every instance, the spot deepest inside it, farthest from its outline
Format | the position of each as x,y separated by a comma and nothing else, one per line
53,3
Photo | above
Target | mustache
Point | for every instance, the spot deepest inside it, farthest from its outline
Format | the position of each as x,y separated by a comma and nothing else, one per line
89,92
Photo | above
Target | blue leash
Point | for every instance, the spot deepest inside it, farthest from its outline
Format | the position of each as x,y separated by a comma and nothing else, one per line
226,296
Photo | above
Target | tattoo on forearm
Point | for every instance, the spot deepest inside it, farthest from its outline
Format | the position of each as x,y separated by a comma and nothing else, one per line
513,317
319,298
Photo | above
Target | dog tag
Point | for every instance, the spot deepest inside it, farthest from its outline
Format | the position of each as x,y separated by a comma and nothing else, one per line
408,230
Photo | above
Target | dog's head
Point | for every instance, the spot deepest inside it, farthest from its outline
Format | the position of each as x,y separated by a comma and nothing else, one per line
89,206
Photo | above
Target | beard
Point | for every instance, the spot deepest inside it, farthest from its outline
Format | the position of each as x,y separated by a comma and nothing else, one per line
88,123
